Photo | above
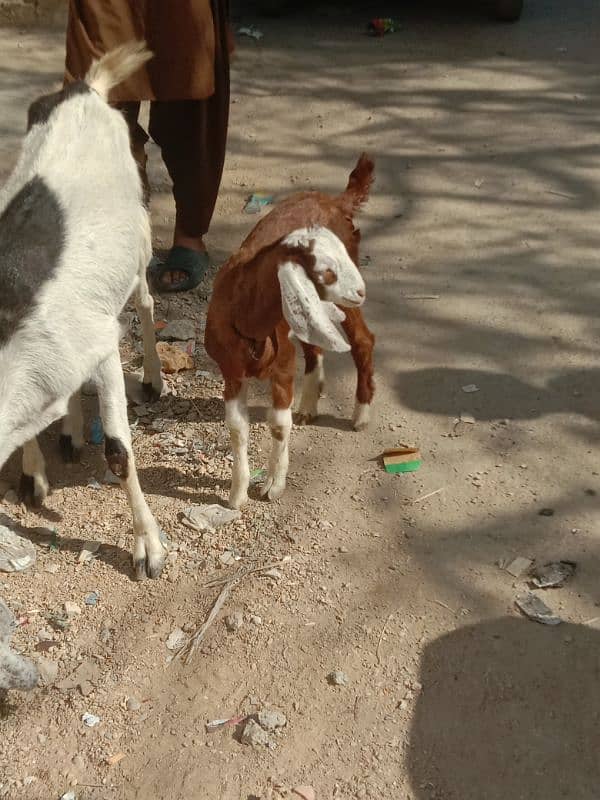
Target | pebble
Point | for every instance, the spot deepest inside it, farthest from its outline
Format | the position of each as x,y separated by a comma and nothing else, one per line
255,619
178,330
48,670
91,720
72,609
51,568
133,704
176,639
270,720
234,621
338,678
254,735
306,792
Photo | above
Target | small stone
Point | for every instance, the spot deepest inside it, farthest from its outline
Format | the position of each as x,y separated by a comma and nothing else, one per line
270,720
88,552
133,704
255,619
306,792
90,720
179,330
254,735
176,639
338,678
48,670
234,621
51,568
72,609
518,566
546,512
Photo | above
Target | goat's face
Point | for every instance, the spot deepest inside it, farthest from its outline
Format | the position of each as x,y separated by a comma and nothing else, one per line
335,274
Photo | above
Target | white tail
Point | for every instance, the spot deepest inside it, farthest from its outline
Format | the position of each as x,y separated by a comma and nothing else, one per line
116,66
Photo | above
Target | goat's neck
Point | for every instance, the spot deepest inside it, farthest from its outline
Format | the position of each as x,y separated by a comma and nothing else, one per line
257,309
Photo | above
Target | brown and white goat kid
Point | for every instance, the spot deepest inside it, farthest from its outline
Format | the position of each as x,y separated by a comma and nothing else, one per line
292,286
335,212
74,246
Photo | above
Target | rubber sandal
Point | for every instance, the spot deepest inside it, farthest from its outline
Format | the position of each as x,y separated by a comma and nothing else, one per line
180,259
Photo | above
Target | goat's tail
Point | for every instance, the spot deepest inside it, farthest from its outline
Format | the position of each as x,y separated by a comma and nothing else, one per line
359,183
116,66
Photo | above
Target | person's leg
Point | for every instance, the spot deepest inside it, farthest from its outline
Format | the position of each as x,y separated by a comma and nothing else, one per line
192,136
138,138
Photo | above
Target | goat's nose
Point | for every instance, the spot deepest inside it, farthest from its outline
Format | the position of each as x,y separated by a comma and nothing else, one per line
360,292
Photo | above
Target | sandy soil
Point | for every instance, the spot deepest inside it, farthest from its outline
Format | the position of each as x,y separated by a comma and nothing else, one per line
486,140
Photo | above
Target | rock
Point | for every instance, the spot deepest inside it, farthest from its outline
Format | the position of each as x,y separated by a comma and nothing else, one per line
234,621
133,704
173,359
88,552
176,639
90,720
306,792
48,670
179,330
255,620
70,795
72,609
51,568
254,735
338,678
208,517
16,552
270,720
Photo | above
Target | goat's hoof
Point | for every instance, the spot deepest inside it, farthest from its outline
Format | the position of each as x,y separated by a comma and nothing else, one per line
238,500
305,417
33,490
361,416
272,490
68,452
148,567
151,393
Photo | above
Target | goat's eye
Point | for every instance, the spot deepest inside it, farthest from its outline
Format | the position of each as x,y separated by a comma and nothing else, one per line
329,277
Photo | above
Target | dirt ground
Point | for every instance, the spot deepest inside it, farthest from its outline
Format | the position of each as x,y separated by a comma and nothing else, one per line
486,202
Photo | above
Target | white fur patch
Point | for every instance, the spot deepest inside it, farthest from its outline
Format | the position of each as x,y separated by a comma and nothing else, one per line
312,320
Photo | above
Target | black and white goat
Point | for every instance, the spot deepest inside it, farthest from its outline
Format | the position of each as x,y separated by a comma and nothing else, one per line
74,246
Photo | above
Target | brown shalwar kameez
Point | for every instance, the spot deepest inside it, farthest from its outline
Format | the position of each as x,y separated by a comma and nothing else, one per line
187,83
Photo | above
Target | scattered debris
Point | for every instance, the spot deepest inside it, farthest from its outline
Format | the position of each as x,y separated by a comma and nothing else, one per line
534,608
234,622
176,639
553,575
88,551
256,202
72,609
84,678
178,330
112,760
270,721
96,431
91,720
470,388
305,792
229,557
518,566
428,495
92,598
338,678
173,359
208,517
546,512
379,26
252,32
254,735
217,724
402,459
16,552
133,704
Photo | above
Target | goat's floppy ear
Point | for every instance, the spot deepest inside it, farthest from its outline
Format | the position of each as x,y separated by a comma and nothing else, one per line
311,319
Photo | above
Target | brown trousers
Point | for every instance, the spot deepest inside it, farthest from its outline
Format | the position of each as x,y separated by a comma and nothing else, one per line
192,136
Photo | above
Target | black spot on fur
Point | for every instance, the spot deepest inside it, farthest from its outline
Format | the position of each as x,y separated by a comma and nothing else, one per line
116,456
39,111
31,241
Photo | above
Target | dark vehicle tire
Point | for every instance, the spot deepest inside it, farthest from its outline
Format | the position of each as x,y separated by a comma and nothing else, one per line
507,10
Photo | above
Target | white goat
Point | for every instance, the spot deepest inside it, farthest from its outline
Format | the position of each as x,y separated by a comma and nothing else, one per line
74,246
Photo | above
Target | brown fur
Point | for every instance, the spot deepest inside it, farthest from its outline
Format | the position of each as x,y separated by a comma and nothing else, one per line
246,333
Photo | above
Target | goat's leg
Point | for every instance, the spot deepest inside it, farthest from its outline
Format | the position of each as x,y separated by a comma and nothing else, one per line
236,417
149,553
33,488
152,381
312,384
71,438
362,342
280,422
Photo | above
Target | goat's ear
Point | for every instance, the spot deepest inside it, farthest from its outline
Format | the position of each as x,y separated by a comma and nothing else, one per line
311,319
